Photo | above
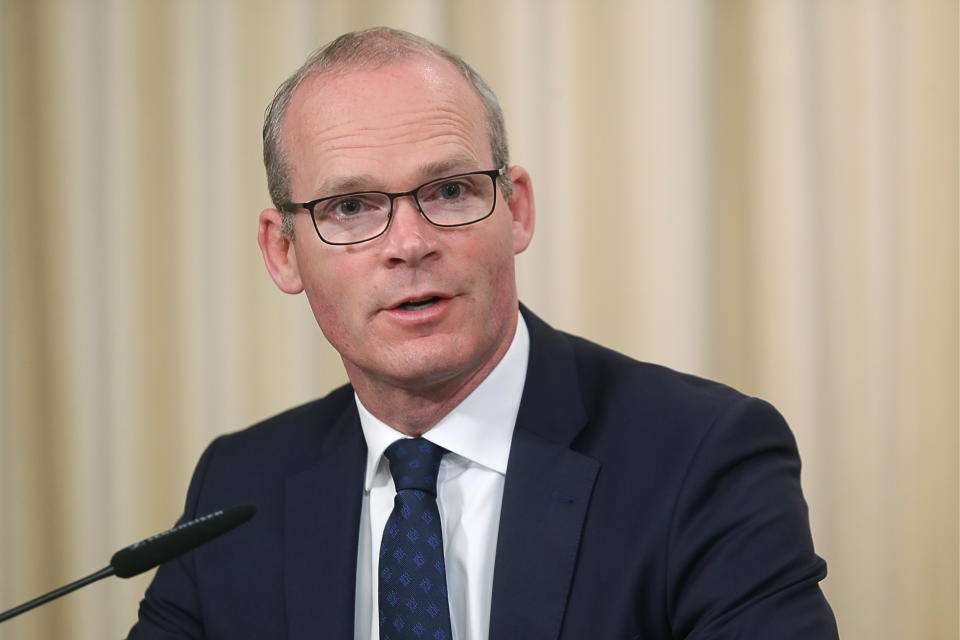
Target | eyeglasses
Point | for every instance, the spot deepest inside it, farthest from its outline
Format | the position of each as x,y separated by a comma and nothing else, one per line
454,201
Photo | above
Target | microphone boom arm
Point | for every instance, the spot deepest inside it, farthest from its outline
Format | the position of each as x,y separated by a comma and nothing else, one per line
155,550
106,572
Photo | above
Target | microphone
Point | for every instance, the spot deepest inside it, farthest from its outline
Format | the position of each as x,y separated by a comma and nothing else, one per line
155,550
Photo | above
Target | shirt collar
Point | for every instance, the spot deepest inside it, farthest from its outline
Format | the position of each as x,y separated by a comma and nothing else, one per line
480,428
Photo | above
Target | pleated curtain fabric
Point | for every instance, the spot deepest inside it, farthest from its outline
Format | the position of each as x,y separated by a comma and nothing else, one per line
759,192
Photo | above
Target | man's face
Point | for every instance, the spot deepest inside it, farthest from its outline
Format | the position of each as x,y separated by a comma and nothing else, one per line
391,129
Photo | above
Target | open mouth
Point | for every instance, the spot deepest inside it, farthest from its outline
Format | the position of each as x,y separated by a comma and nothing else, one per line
419,305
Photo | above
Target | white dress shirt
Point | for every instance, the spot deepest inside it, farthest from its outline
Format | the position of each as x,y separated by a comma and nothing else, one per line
477,433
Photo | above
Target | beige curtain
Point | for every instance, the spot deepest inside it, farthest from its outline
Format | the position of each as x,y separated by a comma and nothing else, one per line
761,192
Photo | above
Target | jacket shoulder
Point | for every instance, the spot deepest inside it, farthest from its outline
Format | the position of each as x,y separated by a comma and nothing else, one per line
290,438
606,375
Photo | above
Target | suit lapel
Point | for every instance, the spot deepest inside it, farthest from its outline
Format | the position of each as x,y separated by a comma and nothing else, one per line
320,536
544,504
546,495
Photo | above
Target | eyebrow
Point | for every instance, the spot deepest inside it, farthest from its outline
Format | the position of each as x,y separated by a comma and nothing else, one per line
344,184
347,184
456,164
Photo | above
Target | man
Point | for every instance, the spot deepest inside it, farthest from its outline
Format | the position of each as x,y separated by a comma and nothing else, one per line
559,490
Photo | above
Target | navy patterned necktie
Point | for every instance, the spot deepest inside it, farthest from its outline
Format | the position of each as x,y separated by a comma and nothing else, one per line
413,579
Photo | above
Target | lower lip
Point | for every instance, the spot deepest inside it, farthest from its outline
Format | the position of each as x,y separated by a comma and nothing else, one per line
430,314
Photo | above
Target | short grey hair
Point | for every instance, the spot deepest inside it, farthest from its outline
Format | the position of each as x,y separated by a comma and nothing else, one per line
369,48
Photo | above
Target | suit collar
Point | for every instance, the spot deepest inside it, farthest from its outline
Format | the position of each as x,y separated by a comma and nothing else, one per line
321,530
546,495
552,405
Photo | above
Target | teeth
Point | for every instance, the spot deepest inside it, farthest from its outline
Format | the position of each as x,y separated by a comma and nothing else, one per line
417,305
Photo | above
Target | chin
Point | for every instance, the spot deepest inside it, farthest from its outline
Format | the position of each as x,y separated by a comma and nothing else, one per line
436,362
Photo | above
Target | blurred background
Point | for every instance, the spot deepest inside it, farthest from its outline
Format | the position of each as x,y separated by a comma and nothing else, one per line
760,192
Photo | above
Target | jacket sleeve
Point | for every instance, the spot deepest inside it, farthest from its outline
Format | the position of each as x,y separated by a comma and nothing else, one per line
741,558
170,609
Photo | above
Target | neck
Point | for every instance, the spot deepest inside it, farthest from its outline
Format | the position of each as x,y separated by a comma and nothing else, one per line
413,409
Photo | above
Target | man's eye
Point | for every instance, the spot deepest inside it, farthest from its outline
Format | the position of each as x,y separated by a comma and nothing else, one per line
349,207
345,208
451,191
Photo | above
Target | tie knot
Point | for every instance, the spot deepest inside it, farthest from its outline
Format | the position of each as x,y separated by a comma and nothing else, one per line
414,463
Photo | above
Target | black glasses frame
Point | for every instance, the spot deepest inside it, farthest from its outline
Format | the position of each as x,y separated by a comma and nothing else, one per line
311,206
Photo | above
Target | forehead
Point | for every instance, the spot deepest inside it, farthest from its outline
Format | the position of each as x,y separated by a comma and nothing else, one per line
391,122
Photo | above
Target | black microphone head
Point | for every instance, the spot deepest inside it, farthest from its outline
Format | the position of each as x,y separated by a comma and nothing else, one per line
155,550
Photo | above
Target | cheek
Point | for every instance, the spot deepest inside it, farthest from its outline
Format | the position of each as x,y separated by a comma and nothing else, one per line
327,285
495,259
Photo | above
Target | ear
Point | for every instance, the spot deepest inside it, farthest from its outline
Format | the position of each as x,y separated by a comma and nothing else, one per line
278,251
521,208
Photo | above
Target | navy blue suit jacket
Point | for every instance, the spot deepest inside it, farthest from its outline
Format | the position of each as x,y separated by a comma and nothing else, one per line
639,503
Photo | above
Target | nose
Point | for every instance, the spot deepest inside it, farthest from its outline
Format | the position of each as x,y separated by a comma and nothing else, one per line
410,238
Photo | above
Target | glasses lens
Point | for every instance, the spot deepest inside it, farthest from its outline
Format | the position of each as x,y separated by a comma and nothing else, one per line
458,200
352,218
